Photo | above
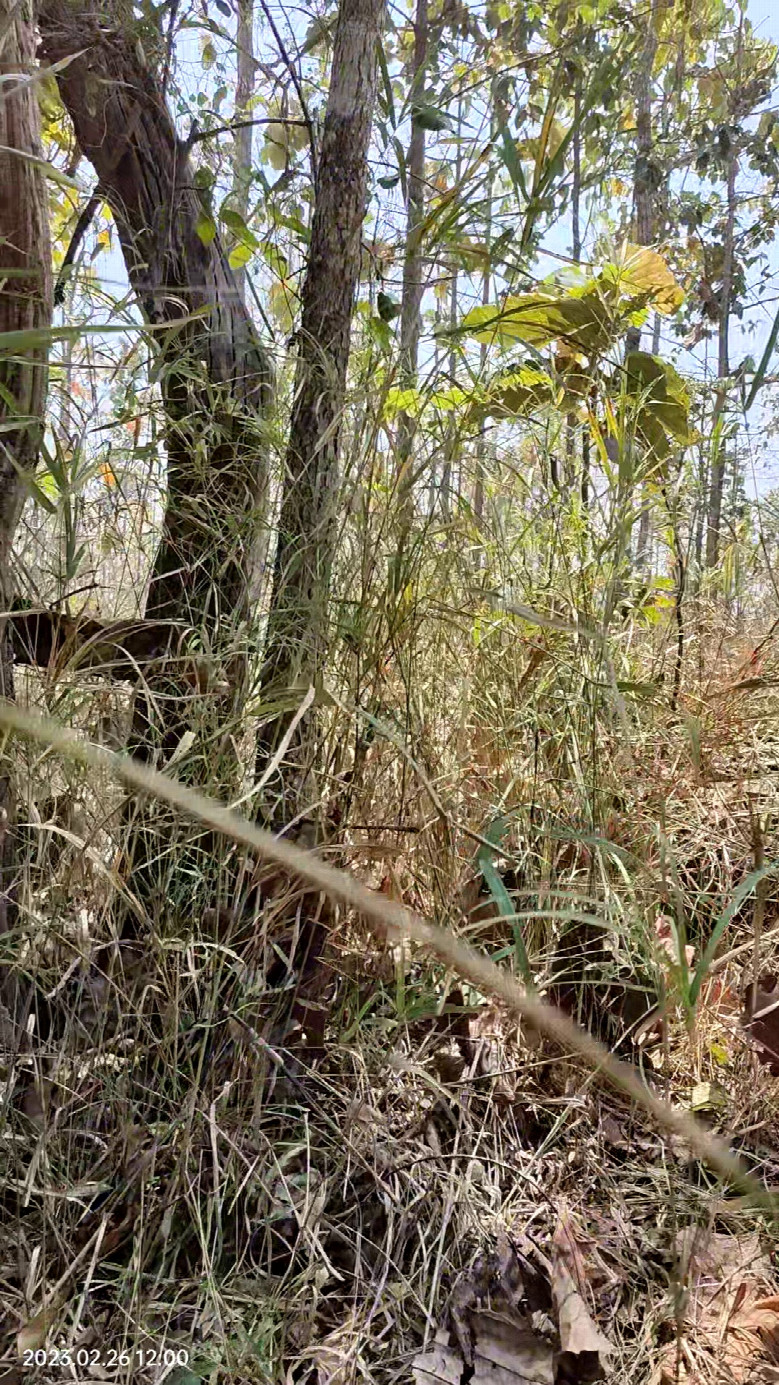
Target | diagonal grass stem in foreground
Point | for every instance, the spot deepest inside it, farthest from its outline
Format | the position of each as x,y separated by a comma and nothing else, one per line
394,922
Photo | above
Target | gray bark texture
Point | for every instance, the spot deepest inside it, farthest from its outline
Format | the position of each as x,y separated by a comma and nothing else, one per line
213,371
413,264
644,191
25,306
714,517
214,378
242,136
297,637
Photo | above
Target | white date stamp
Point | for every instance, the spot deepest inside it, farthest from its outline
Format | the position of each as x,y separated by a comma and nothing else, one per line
106,1358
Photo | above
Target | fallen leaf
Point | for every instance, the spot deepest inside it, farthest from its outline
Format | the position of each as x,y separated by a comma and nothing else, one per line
583,1348
708,1096
761,1020
504,1280
509,1353
505,1353
34,1333
731,1318
578,1333
441,1366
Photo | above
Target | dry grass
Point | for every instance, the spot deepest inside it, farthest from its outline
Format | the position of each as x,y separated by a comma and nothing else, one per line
183,1167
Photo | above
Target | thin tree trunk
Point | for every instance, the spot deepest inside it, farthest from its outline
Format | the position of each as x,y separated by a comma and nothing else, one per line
718,460
643,547
297,637
643,187
451,444
481,447
413,266
25,305
242,137
576,255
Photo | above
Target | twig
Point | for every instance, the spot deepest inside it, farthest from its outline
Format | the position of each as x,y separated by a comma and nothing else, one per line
297,84
197,136
82,226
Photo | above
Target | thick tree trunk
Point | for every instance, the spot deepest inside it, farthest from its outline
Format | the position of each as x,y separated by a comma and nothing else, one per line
214,377
213,372
25,305
298,621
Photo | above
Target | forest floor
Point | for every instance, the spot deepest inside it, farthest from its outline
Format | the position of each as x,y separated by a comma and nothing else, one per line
390,1179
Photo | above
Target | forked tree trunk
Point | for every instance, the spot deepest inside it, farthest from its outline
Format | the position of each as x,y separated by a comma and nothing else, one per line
25,306
214,379
213,372
297,638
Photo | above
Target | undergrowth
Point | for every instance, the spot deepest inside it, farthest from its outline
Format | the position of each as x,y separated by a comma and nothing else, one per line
279,1168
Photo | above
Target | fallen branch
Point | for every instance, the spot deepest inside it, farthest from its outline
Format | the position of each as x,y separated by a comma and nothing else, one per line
120,649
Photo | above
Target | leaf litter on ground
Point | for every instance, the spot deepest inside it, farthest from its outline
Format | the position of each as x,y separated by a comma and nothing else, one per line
520,1317
727,1323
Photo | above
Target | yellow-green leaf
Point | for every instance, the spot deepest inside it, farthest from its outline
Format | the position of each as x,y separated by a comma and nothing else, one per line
239,256
664,402
538,319
205,227
644,271
282,304
400,401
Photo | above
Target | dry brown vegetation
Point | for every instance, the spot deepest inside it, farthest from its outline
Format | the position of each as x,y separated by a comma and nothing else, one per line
293,1185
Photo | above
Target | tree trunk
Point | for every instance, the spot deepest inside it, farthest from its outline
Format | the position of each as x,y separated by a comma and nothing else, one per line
242,137
297,636
644,177
576,255
723,370
25,305
214,378
413,286
213,372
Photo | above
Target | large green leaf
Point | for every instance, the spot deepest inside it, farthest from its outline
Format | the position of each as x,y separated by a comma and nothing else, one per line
664,402
538,319
514,393
641,272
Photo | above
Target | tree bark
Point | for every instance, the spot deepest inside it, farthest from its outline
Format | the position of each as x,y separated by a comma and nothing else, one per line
413,289
643,186
297,637
717,481
242,137
25,305
213,372
214,378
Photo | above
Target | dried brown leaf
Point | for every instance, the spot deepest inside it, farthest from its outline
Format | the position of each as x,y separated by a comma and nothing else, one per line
34,1333
582,1344
731,1324
443,1365
579,1335
505,1353
761,1020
